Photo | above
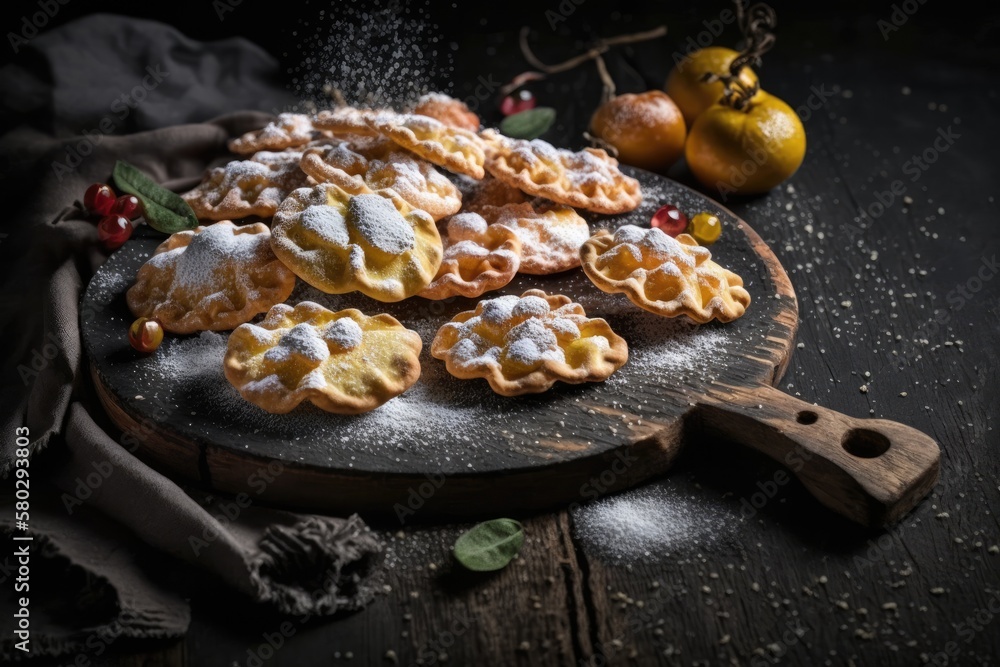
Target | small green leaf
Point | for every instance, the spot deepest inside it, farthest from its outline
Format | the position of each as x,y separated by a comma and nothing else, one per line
164,210
528,124
489,545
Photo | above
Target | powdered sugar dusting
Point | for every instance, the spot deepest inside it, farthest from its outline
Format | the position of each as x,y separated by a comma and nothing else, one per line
190,358
547,238
531,342
210,251
466,226
656,243
292,125
327,223
650,524
345,333
379,223
300,342
376,56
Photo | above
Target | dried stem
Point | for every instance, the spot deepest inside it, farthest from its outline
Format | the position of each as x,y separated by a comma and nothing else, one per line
594,53
756,23
609,83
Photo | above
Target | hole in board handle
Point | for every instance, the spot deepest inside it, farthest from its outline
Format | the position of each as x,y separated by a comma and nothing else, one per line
806,417
865,443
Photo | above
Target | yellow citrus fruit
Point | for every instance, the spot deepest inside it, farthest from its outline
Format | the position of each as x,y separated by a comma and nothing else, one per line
746,151
647,129
690,93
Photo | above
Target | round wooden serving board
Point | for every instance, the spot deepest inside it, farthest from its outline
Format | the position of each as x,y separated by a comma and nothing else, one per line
453,447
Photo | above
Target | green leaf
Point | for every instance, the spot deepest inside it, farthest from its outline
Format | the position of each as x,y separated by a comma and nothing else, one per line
164,210
528,124
490,545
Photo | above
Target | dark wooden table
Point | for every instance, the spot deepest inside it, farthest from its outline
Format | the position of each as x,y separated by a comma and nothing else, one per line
900,310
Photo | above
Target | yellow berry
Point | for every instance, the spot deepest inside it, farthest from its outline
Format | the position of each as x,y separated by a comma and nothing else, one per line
145,334
706,228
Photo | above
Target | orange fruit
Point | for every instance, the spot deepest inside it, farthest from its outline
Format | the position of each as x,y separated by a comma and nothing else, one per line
746,151
690,93
647,129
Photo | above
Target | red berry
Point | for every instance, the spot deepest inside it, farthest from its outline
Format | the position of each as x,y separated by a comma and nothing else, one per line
145,334
99,199
128,206
520,101
670,220
113,231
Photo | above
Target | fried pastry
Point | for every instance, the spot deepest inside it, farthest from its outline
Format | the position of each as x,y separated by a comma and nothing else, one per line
448,110
243,188
290,156
288,130
550,234
370,242
342,362
345,121
491,192
663,275
587,179
359,166
478,258
526,344
455,149
210,278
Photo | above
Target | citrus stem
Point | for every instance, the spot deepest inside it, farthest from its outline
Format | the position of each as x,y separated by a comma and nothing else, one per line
756,23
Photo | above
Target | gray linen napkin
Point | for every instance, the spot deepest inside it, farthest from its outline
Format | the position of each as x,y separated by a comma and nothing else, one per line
66,81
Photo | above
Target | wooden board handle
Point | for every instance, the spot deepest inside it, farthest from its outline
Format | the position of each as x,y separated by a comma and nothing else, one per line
872,471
